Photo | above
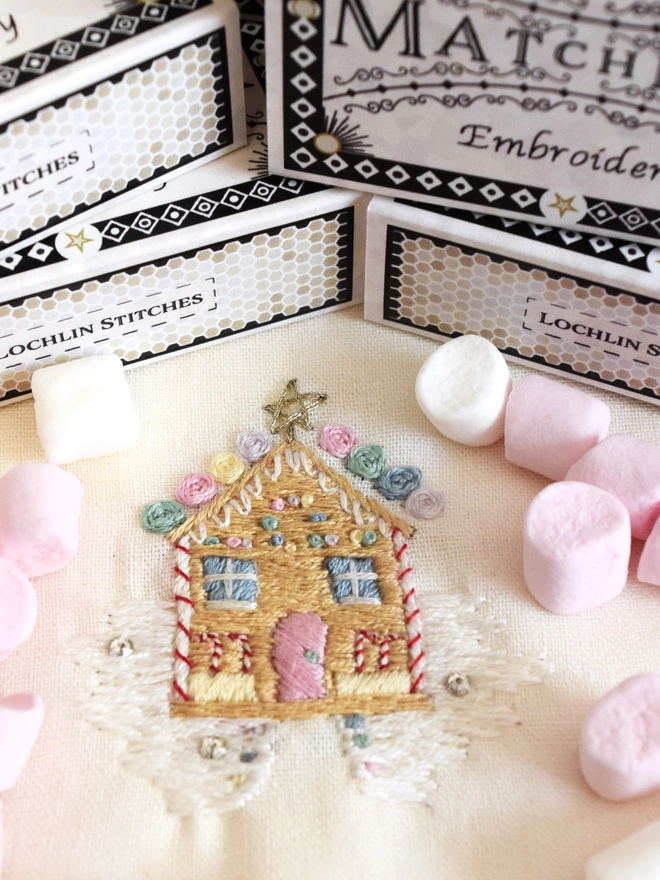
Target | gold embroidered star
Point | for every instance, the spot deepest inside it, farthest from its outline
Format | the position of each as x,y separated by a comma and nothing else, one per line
78,240
292,410
564,205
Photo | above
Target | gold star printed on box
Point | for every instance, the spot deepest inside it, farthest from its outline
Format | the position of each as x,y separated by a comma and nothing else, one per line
78,240
292,410
564,205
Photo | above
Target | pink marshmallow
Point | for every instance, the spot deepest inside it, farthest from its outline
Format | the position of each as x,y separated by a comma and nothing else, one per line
549,426
620,743
18,608
629,469
576,546
39,511
20,719
648,568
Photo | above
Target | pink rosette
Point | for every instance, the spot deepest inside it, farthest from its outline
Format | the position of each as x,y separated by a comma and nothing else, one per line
195,490
337,440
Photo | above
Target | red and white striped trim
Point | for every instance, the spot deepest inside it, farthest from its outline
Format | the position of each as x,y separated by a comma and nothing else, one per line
247,653
184,613
216,653
384,642
362,637
412,619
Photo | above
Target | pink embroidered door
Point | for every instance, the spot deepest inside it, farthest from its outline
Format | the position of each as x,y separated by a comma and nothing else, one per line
298,656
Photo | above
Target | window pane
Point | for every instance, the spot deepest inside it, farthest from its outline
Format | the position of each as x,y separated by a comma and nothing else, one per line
341,589
369,589
352,578
232,586
214,564
215,590
244,591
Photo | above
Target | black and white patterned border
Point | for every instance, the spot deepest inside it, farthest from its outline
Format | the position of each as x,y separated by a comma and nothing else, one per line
608,248
394,267
253,41
304,119
181,214
135,19
223,112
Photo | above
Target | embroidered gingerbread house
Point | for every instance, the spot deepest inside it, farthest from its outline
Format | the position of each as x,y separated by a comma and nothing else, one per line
294,599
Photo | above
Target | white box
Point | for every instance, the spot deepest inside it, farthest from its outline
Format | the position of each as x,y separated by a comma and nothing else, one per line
581,305
544,111
225,249
110,103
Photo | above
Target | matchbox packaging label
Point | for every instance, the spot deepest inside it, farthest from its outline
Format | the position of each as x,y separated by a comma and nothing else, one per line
578,304
223,250
545,111
122,96
62,161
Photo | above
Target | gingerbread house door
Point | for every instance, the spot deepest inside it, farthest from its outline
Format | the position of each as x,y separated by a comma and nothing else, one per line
299,656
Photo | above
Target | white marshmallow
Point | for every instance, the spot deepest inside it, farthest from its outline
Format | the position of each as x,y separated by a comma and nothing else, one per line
84,409
637,857
463,389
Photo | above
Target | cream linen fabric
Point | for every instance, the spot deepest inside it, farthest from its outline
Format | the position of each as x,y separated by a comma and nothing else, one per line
515,809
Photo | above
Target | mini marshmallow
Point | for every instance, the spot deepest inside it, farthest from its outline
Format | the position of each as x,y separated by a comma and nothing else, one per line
629,469
648,568
463,389
20,720
18,608
637,857
84,409
549,426
620,742
576,546
39,510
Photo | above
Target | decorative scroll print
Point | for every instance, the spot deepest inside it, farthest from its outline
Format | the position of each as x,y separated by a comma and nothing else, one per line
640,7
442,68
544,105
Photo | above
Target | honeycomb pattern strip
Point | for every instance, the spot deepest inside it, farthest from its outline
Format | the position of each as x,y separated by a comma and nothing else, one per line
183,301
575,326
137,125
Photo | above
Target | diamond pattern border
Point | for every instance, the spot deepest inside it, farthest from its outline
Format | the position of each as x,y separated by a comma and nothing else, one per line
183,214
621,252
135,19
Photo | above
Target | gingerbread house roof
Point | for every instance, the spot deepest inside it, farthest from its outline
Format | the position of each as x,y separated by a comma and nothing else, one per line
282,465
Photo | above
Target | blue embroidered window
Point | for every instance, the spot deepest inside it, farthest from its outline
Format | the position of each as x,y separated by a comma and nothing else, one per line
229,580
353,580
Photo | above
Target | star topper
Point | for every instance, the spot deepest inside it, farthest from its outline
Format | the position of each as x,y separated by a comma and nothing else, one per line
79,240
292,410
564,205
